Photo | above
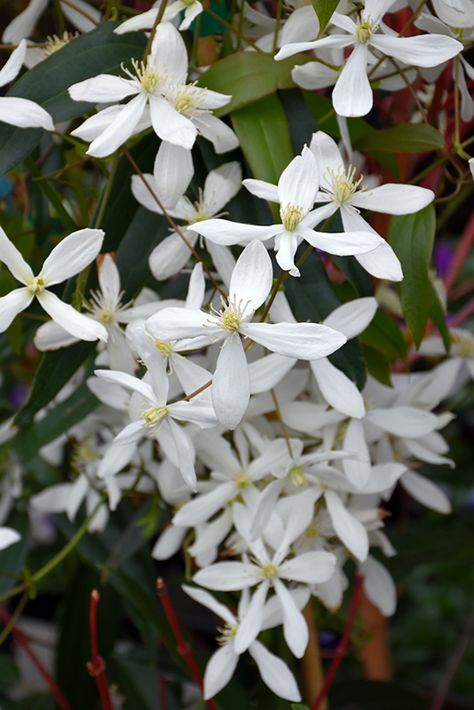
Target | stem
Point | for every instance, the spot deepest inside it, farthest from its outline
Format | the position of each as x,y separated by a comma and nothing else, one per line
81,11
170,220
343,643
22,641
96,666
157,21
14,617
281,422
311,663
182,646
277,26
453,665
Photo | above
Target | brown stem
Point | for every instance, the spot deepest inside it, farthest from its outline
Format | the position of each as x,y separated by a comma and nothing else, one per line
375,656
96,666
311,663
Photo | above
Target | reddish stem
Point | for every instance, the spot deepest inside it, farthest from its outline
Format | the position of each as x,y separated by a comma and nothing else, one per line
182,646
343,643
96,666
22,641
460,255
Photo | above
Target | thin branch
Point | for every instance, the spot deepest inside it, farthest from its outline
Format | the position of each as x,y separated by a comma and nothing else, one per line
96,666
453,664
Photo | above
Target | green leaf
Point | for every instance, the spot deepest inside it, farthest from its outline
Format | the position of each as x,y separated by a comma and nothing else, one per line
384,335
264,136
96,52
405,138
249,76
437,315
411,237
9,673
55,369
324,10
12,559
377,365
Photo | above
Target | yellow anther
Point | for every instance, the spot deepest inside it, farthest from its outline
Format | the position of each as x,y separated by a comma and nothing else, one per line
345,184
365,30
269,571
242,481
154,415
291,217
297,476
165,347
37,285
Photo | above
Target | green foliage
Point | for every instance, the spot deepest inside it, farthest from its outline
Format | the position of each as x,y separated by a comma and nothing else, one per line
324,10
404,138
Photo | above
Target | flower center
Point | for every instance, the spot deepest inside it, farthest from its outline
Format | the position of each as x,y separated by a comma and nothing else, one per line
297,476
154,415
106,316
291,217
148,77
82,454
226,633
37,285
345,184
465,347
54,43
269,571
364,30
242,481
312,530
164,347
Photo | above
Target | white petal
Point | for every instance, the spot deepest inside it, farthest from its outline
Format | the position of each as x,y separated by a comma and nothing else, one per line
251,279
125,380
348,529
174,323
143,21
24,22
408,422
207,600
12,304
219,670
204,506
102,89
76,15
222,184
50,336
342,243
250,625
421,51
171,126
173,171
310,567
12,67
299,182
295,629
52,499
169,543
13,260
8,537
306,341
262,189
185,451
75,323
426,492
223,260
301,26
328,155
168,53
357,469
24,113
268,371
169,257
379,586
228,576
338,41
190,13
353,317
314,75
223,231
337,389
217,132
230,385
120,129
118,456
393,199
275,673
286,245
352,95
72,255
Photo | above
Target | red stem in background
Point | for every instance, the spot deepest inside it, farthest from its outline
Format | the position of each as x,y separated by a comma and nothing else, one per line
460,255
96,666
343,643
22,641
182,646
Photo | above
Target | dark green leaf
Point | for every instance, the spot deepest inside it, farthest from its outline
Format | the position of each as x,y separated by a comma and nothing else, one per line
249,76
324,10
384,335
264,135
55,369
12,559
405,138
411,237
9,674
437,315
96,52
377,365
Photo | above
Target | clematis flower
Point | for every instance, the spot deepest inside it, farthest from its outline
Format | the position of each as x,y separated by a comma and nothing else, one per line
159,97
221,185
352,95
250,285
16,111
146,20
67,259
221,666
296,192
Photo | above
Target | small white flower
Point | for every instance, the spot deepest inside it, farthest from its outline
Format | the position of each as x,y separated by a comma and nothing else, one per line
67,259
146,20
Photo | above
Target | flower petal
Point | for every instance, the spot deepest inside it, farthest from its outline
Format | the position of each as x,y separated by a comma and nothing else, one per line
217,132
250,625
310,567
262,189
75,323
275,673
207,600
342,243
228,576
219,670
120,129
230,385
171,126
421,51
223,231
131,383
13,260
8,537
348,529
12,304
11,68
352,95
379,586
299,182
393,199
337,389
426,492
306,341
174,323
353,317
24,113
408,422
102,89
72,255
251,279
295,629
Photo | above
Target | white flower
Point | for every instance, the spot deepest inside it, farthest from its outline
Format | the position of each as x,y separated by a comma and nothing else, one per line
221,185
19,112
161,99
250,285
268,570
146,20
342,190
67,259
221,666
352,95
296,193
